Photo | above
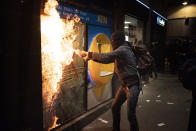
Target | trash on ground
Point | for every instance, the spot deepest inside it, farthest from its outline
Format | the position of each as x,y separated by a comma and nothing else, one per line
147,100
161,124
170,103
159,96
158,101
102,120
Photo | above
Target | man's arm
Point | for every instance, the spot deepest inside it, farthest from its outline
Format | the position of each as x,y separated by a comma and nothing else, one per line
104,58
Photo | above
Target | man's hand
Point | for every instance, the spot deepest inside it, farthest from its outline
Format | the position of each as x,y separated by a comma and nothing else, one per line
84,55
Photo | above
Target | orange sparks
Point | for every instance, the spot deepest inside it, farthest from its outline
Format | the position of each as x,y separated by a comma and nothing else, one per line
57,37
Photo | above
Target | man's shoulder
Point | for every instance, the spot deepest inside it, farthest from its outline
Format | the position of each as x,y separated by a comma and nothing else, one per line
124,47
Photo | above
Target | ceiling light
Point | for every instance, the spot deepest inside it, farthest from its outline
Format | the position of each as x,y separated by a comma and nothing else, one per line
126,27
185,3
127,22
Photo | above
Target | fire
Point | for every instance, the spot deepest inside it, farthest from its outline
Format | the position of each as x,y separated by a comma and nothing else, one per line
57,39
54,124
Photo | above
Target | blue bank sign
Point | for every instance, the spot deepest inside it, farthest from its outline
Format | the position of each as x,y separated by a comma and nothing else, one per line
160,21
85,17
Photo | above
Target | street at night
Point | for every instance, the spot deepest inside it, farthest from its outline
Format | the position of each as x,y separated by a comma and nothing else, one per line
164,106
98,65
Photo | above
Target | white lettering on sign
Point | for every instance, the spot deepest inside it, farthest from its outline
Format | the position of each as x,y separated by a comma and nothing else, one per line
160,21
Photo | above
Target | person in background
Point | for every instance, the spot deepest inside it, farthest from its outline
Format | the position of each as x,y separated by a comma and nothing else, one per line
141,44
135,43
189,82
153,70
153,52
125,68
145,77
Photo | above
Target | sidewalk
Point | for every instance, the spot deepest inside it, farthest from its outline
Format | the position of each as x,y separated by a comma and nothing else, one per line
164,106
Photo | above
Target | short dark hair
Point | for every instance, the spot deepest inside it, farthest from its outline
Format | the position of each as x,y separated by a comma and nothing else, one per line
118,36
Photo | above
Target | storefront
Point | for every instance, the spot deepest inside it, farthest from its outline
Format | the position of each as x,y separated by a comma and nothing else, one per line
134,29
80,90
158,39
135,22
70,88
158,28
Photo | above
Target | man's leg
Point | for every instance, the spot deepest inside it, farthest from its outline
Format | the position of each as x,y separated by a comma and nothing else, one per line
154,70
191,124
119,99
132,99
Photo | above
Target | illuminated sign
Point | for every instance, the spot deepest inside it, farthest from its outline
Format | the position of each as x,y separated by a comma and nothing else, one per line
86,17
160,21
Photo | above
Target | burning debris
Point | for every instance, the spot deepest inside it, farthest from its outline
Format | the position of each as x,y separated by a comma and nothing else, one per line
57,38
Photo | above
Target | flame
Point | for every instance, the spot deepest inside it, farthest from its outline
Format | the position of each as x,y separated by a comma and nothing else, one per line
54,124
57,39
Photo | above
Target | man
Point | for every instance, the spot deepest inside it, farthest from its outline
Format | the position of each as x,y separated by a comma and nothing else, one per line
188,78
125,67
153,52
145,77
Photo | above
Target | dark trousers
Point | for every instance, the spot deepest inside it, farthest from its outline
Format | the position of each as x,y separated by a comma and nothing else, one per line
192,118
131,95
153,70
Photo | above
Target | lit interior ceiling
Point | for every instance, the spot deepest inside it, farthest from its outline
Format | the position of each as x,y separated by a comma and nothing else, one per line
129,21
173,3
